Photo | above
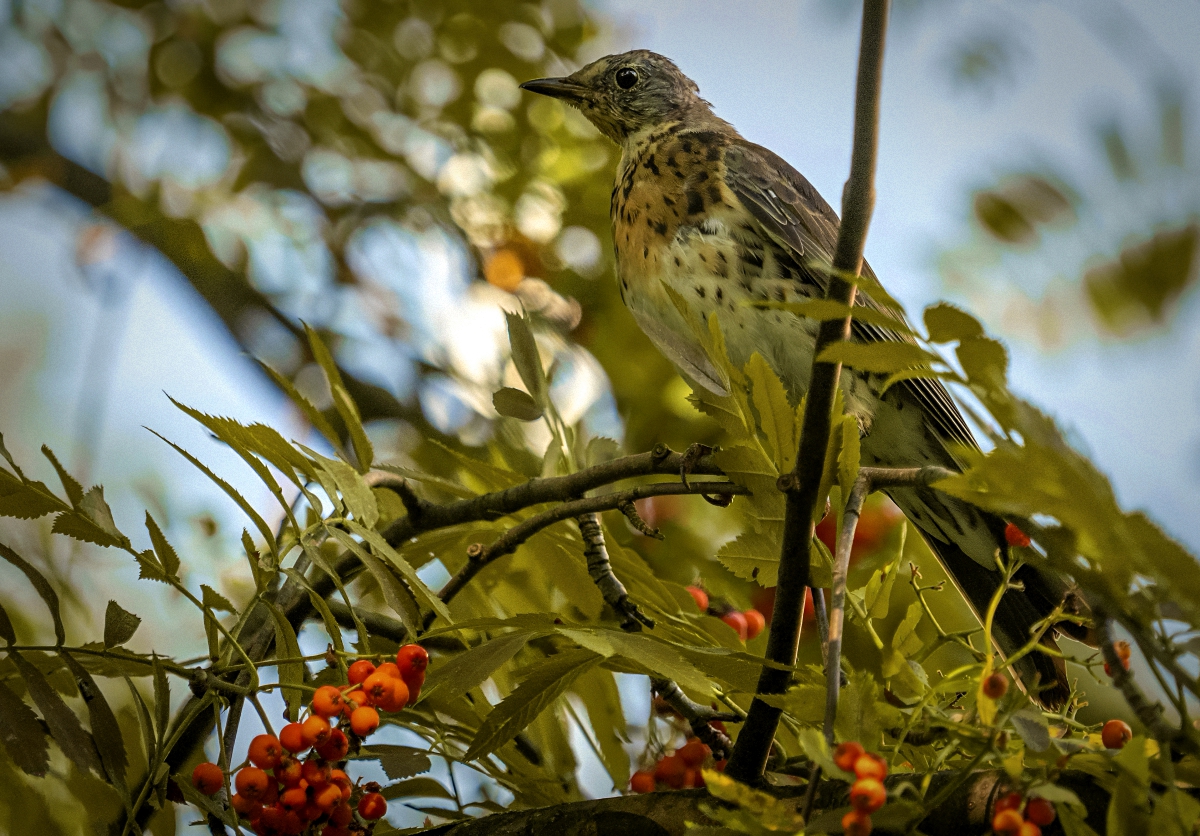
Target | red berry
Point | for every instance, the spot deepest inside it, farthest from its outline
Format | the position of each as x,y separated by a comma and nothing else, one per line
340,779
642,782
1029,829
359,671
394,696
295,798
867,795
315,772
738,622
412,658
336,747
289,772
1015,536
372,806
846,754
315,730
251,782
755,623
856,823
694,752
208,778
1007,821
414,682
326,797
995,686
1010,801
692,778
870,765
265,751
700,597
291,737
1039,811
246,807
364,720
341,814
671,771
327,701
1115,734
389,669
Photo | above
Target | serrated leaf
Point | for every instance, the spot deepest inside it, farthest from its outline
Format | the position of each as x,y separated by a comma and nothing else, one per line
905,641
214,600
861,715
26,501
144,722
752,556
78,527
877,358
417,788
770,813
43,587
64,726
947,323
816,748
314,415
356,493
162,699
398,761
396,561
291,673
1032,728
332,628
105,729
540,688
820,565
513,403
167,558
22,734
73,489
149,568
342,401
776,416
525,356
659,658
984,361
207,804
119,625
879,590
395,592
466,671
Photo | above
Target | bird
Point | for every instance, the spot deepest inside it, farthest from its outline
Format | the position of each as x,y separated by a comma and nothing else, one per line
702,215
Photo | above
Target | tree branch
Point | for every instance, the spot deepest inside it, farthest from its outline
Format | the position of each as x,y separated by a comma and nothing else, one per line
754,743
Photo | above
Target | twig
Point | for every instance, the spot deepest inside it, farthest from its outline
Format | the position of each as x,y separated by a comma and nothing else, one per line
699,717
600,571
837,609
749,758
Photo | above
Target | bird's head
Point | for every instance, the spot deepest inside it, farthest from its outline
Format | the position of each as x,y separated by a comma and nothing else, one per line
624,94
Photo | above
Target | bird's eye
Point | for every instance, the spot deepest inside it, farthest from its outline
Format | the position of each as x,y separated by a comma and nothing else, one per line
626,77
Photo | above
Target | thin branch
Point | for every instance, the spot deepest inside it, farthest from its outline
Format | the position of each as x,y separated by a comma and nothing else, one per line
837,608
601,572
699,717
749,758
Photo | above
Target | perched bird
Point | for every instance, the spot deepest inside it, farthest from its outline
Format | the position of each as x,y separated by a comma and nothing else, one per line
723,223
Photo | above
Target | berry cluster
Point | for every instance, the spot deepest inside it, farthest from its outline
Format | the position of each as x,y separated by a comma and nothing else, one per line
291,784
867,793
677,771
1008,820
747,625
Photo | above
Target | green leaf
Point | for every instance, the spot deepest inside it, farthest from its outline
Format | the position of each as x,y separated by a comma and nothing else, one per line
525,356
1073,823
206,804
47,593
395,592
601,450
905,641
331,626
119,625
1175,814
1140,287
144,721
752,556
657,657
22,734
26,500
466,671
381,547
985,362
64,726
356,493
770,814
162,698
1033,729
878,358
291,673
167,557
1058,795
105,729
397,761
73,489
417,788
879,590
598,691
816,749
513,403
1128,809
776,415
342,401
314,415
540,688
861,714
947,323
214,600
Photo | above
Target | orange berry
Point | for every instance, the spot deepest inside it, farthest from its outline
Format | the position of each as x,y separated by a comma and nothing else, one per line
755,623
1007,821
995,686
867,795
291,737
1115,734
694,752
327,701
245,806
691,778
327,796
1011,801
1015,536
870,766
1040,812
671,771
208,778
265,751
738,622
341,814
642,782
359,671
389,669
412,658
315,772
847,754
295,798
397,696
1123,652
251,782
336,747
377,687
700,597
1029,829
856,823
341,780
315,730
364,720
289,772
372,806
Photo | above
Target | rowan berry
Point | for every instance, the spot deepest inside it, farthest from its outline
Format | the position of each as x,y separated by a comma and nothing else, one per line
1115,734
327,796
642,782
694,752
755,623
265,751
995,686
396,697
372,806
208,778
377,688
359,671
315,730
412,658
340,779
1015,536
870,765
700,597
341,814
692,778
251,782
1010,801
295,798
289,772
336,747
867,795
847,754
1007,821
315,772
389,669
291,737
414,683
856,823
364,720
738,622
1040,812
1028,828
671,770
245,806
327,701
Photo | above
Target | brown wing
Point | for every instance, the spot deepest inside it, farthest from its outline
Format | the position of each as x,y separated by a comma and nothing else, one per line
795,215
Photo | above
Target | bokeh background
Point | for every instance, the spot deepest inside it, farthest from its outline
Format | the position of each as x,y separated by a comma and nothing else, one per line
185,182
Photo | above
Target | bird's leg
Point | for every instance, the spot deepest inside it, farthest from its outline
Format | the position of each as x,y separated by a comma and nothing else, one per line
600,571
691,456
699,717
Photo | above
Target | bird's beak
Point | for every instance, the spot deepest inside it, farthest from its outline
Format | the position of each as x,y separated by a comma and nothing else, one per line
557,88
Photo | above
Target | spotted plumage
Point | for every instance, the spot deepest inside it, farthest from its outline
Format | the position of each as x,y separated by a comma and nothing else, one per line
701,214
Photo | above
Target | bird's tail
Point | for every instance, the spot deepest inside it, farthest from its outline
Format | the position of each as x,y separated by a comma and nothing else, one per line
1042,675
